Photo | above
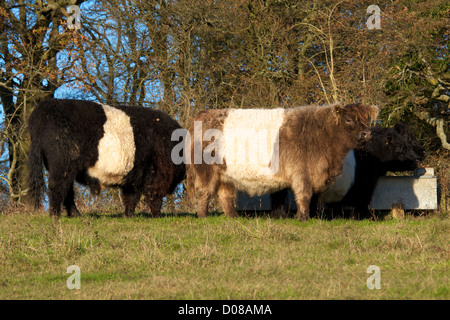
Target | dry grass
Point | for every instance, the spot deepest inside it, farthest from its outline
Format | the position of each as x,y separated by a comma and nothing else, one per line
182,257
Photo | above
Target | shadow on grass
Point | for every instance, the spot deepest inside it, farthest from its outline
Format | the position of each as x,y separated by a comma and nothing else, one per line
372,215
98,214
327,216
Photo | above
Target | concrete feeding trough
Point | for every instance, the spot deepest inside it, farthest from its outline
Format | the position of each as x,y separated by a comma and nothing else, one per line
416,192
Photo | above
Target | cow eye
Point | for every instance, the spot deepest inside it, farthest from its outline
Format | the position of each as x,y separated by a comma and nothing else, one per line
348,120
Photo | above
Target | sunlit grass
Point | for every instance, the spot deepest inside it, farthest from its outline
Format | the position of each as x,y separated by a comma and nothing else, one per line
183,257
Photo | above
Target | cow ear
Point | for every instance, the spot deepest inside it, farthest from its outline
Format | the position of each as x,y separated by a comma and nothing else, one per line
374,111
339,110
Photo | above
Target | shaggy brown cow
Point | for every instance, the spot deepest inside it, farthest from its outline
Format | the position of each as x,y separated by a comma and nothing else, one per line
264,151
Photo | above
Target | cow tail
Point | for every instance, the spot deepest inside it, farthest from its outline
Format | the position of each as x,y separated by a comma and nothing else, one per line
35,176
190,182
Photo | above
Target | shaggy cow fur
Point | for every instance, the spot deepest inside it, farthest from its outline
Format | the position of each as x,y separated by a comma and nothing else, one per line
313,141
389,149
94,144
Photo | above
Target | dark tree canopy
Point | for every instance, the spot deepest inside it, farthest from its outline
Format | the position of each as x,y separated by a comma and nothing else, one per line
189,55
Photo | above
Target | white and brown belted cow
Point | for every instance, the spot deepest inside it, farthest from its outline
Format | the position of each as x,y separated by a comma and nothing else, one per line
262,151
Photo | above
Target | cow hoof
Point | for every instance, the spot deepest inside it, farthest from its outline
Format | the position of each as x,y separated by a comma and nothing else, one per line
54,213
232,215
302,217
74,213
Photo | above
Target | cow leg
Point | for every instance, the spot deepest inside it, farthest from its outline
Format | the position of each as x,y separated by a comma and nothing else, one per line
205,186
278,200
203,203
55,199
58,186
153,202
154,194
130,199
155,206
303,196
226,195
315,208
69,203
302,207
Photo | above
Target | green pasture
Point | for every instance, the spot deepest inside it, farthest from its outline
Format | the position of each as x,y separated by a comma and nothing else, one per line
183,257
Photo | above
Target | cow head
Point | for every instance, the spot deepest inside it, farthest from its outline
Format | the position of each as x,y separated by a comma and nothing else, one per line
404,131
355,120
396,147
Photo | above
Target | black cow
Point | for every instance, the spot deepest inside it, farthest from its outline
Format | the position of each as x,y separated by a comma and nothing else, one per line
389,149
95,144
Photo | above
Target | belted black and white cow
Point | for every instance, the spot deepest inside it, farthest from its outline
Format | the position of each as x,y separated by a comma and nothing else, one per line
263,151
389,149
96,144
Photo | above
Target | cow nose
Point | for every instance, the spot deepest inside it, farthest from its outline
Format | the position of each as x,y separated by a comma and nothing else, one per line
365,135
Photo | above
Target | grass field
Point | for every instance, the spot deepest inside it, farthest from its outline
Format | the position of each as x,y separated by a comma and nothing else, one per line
182,257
